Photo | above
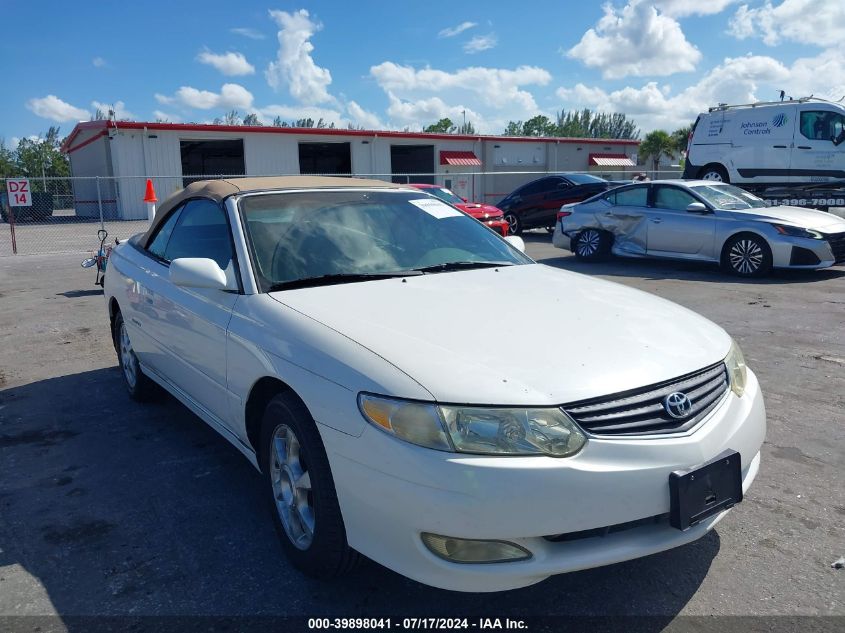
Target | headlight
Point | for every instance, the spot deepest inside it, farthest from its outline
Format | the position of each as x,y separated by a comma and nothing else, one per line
797,231
737,371
479,430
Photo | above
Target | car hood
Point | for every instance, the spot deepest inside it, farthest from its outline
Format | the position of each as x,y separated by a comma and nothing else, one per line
806,218
479,210
528,334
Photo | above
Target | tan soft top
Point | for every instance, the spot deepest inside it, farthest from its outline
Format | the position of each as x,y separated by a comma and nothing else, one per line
218,190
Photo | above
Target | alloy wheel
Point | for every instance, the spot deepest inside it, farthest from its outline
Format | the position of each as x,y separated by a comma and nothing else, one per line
513,224
291,484
588,243
127,358
746,257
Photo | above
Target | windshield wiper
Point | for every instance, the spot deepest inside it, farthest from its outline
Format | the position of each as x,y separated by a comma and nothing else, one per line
447,266
338,278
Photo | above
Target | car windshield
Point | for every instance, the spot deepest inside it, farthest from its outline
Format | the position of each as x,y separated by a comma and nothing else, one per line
583,179
352,235
443,194
728,197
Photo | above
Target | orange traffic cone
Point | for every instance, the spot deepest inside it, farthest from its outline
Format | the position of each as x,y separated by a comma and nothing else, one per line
150,193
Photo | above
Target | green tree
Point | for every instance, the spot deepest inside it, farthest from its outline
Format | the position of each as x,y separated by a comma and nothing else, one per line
514,128
467,128
655,145
539,125
8,168
232,118
251,119
40,158
443,126
680,138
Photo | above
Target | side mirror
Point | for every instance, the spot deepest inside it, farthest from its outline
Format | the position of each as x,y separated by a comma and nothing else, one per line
517,242
464,199
697,207
197,272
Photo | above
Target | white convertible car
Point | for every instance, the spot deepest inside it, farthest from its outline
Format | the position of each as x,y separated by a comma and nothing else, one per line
342,335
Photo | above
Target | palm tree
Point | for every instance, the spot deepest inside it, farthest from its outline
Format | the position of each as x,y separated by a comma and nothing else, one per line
655,145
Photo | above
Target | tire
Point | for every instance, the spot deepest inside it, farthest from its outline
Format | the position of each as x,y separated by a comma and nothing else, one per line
550,229
592,245
514,223
301,491
140,387
714,172
747,255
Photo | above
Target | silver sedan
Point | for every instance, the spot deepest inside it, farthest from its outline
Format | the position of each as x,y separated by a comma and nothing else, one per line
700,220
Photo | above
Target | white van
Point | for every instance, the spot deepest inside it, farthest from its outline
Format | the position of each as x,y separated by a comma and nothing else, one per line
797,141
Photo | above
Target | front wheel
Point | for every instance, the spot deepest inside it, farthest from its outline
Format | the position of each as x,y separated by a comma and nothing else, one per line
301,489
592,245
140,387
747,256
514,224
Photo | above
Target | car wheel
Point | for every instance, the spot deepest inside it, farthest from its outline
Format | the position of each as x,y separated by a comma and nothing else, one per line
592,245
714,172
747,255
301,490
139,386
514,225
550,229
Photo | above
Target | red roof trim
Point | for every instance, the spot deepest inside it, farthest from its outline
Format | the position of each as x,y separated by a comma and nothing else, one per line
68,150
266,129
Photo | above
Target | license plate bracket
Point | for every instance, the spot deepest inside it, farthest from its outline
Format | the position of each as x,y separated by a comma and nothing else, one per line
705,490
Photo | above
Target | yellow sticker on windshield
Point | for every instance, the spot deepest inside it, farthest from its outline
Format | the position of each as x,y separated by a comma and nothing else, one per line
436,208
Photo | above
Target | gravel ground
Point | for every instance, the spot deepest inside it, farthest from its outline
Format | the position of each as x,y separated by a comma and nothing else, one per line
108,507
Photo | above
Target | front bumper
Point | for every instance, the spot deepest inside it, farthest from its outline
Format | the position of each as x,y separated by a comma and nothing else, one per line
802,252
390,491
500,226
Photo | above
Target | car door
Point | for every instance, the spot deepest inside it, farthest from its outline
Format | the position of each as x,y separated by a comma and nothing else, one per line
819,154
532,199
554,196
674,231
190,324
761,143
625,214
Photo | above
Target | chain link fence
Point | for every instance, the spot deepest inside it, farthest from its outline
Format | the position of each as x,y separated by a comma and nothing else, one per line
66,213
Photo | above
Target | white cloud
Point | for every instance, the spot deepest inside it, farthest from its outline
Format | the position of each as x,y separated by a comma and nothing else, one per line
735,80
423,111
243,31
362,117
456,30
51,107
499,88
230,64
819,22
160,115
120,111
230,96
99,62
636,40
481,43
684,8
294,67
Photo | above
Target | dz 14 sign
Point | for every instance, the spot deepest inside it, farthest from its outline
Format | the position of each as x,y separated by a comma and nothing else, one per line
19,193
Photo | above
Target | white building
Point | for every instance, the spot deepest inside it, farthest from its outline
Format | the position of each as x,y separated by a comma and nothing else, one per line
124,154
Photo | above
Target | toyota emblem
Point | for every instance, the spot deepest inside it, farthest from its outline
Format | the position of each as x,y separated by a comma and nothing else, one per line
677,404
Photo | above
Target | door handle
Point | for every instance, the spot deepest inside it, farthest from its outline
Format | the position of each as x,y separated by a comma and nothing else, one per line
804,147
779,146
656,220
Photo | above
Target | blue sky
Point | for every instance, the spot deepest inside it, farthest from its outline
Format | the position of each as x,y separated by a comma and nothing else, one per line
405,64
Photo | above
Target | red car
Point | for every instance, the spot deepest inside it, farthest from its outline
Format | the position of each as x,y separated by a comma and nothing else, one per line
485,213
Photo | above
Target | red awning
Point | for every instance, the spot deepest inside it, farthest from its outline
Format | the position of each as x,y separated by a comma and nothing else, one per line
458,158
611,160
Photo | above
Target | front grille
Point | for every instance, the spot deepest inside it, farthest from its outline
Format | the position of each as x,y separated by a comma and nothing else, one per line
641,411
837,245
658,519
